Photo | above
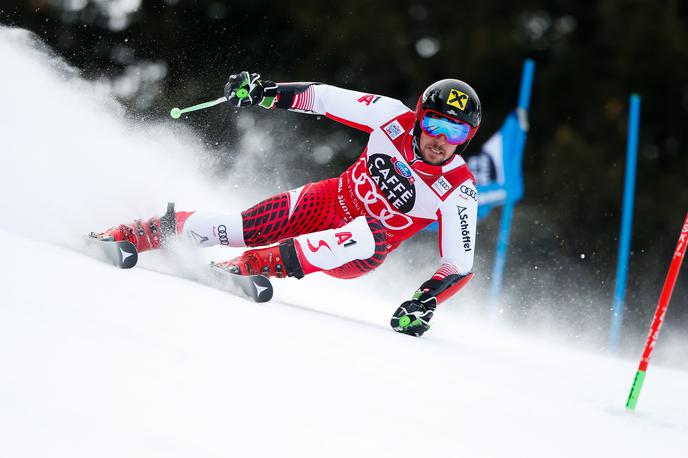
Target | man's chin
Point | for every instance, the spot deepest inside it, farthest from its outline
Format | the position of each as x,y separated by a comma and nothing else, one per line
434,159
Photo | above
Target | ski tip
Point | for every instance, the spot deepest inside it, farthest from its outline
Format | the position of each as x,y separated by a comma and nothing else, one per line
122,253
128,256
254,287
262,287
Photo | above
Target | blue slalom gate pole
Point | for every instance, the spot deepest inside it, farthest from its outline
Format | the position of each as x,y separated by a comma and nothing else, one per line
500,254
507,211
626,221
526,84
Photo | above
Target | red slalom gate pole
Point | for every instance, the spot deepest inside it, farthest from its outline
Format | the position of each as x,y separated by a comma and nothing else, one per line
662,306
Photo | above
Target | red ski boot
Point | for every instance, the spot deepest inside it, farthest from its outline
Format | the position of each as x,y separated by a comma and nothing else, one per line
275,261
149,234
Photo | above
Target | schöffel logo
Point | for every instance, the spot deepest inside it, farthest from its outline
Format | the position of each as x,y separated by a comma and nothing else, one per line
465,233
472,193
222,234
402,168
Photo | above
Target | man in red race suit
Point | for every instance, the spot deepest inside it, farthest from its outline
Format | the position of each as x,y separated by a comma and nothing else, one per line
409,175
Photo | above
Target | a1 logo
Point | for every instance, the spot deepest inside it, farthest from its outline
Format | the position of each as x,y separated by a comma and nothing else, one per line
344,238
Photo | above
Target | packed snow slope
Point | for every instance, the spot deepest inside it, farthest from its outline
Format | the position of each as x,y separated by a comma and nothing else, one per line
100,362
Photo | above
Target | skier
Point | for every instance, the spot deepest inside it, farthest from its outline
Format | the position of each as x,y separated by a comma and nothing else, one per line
410,174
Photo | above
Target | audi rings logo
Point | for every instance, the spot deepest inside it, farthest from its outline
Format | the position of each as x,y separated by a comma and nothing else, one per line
472,193
222,234
375,204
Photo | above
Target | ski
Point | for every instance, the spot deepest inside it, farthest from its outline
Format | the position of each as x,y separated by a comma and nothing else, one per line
121,253
255,287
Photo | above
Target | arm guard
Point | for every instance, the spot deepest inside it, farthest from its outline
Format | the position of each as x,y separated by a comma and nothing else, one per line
286,92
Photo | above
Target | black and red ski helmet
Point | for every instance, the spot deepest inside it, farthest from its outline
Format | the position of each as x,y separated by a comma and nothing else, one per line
454,99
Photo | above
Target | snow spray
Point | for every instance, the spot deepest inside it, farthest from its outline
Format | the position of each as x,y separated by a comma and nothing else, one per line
662,306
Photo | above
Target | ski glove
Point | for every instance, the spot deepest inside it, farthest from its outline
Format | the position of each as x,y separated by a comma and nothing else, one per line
413,317
244,89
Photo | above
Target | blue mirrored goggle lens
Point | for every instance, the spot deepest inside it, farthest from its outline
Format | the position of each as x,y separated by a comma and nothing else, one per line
455,133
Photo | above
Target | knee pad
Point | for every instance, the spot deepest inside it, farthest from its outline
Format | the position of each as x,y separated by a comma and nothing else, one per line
359,267
332,248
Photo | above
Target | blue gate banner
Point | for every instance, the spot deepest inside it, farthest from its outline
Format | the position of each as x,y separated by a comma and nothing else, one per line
497,168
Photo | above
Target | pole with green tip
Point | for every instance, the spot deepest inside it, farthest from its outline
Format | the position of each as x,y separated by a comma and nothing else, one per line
662,306
176,112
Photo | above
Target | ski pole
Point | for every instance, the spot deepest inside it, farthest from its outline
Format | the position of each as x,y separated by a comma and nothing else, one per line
176,112
662,306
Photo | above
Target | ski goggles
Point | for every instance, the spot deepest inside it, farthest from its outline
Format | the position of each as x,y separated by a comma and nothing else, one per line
456,132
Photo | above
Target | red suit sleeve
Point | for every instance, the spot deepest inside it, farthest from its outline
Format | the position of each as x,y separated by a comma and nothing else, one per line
359,110
457,219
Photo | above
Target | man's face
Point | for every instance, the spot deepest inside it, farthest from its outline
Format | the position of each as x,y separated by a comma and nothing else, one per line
435,150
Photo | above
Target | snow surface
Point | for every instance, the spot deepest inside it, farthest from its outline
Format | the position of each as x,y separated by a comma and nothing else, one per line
99,362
